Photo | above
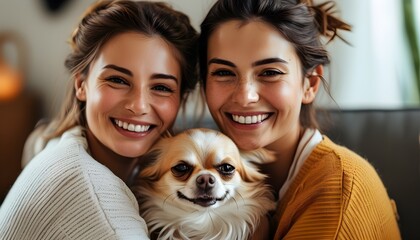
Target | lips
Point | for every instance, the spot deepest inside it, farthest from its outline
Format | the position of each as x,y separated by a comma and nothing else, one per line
204,200
250,119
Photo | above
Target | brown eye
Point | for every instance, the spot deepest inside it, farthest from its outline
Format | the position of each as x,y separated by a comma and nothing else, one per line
162,88
226,169
222,73
270,73
181,169
117,80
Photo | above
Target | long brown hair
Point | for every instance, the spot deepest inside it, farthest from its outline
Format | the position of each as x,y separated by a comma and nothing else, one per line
106,19
300,21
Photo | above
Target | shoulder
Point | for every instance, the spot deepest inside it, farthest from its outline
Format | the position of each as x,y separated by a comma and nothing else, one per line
60,159
335,175
56,173
364,198
36,142
350,165
337,181
63,182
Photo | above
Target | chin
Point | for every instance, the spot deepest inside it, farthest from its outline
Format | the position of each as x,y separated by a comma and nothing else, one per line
198,185
248,143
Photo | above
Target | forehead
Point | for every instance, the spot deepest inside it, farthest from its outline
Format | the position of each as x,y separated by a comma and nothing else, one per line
132,49
260,39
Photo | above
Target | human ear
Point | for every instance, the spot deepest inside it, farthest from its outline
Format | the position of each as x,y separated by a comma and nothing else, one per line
311,84
79,86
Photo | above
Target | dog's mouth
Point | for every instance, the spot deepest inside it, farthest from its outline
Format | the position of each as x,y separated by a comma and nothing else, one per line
203,200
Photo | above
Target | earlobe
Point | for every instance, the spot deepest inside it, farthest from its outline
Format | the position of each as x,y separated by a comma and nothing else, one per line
79,86
311,85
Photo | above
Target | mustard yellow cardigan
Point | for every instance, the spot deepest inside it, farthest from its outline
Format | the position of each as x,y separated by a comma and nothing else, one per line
336,195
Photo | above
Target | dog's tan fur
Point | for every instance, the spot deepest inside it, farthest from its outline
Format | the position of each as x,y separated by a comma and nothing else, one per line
177,203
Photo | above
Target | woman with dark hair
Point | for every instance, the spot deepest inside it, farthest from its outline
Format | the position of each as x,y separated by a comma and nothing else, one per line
132,65
261,64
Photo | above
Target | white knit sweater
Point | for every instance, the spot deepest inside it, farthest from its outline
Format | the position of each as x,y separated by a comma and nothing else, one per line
63,193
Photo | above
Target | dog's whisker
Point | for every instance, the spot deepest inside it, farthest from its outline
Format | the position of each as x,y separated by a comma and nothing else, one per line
236,202
194,211
211,217
164,201
240,195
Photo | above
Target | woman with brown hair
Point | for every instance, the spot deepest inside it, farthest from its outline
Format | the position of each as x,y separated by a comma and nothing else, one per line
262,63
132,65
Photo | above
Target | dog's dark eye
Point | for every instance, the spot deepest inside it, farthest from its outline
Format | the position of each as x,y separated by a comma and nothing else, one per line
181,169
226,169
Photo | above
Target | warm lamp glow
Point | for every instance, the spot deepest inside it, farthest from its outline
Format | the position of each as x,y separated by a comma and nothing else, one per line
10,83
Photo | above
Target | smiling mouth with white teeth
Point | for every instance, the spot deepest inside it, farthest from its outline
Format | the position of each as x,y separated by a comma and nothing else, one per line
131,127
253,119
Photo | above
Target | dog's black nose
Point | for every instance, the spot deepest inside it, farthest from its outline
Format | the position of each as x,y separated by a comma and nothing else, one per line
205,181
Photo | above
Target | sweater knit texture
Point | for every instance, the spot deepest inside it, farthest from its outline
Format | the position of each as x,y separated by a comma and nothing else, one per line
63,193
336,195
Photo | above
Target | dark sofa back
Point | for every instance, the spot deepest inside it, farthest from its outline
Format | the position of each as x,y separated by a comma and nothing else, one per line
390,140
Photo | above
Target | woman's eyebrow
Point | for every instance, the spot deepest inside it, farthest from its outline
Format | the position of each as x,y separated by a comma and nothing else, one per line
119,69
221,61
268,61
129,73
257,63
164,76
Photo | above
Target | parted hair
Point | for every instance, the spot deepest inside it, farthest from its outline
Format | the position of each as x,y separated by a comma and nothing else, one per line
299,21
106,19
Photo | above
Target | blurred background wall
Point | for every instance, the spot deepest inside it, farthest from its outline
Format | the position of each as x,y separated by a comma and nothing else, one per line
378,70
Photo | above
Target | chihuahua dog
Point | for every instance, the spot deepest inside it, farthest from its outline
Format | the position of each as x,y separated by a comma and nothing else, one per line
198,185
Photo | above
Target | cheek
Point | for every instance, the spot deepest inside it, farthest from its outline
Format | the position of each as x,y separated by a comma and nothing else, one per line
101,100
167,110
215,97
167,185
283,94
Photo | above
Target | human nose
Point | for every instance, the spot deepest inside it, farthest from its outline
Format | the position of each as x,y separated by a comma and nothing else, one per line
245,93
138,102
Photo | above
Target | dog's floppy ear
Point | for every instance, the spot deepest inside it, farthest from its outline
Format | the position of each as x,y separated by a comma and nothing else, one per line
259,156
146,162
253,158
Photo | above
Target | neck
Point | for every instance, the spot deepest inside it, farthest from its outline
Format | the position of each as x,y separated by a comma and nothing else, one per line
285,150
121,166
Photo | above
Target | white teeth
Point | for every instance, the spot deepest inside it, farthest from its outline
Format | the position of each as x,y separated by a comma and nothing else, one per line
132,127
138,128
249,119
